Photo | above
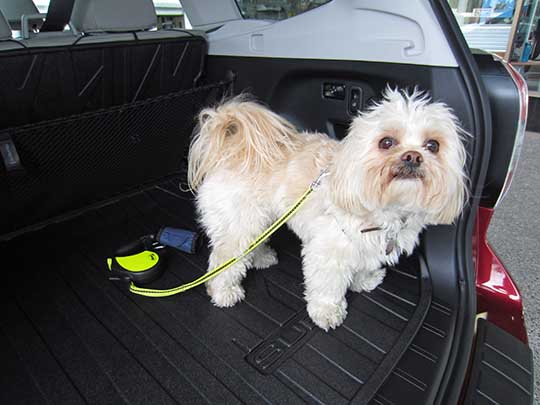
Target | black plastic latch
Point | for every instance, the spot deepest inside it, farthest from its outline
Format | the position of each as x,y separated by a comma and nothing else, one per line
282,344
10,156
334,91
355,101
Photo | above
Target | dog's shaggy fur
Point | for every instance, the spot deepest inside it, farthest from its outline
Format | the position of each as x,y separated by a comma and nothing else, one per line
249,166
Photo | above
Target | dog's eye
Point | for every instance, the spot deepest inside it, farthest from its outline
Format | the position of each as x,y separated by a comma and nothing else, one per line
432,145
387,143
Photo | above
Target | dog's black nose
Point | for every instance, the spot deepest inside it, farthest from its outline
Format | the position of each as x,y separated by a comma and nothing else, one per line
412,158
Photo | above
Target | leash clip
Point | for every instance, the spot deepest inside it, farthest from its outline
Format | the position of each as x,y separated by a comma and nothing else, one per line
317,182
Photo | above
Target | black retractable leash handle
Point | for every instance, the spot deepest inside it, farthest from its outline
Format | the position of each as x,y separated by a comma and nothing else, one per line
140,261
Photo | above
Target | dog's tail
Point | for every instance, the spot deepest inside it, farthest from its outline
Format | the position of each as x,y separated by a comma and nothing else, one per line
239,133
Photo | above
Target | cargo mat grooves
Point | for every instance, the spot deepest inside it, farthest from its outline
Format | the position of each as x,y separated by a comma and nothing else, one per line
68,334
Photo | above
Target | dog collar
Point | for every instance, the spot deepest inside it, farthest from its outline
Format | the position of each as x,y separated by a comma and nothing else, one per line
390,237
372,229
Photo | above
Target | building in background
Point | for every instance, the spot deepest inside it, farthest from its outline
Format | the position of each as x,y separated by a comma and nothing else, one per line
170,14
486,24
510,29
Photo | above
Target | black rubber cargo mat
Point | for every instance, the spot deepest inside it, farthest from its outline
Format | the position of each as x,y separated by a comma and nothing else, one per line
69,335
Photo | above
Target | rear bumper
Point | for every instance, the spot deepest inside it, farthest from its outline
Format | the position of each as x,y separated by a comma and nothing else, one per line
498,295
502,368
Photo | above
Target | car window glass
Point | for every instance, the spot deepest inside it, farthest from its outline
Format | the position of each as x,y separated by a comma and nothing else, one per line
276,9
485,24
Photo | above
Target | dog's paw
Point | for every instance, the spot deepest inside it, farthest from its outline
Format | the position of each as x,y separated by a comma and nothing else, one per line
264,257
225,296
327,315
368,281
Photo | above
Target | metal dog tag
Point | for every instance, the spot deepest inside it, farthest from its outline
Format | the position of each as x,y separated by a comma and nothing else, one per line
390,246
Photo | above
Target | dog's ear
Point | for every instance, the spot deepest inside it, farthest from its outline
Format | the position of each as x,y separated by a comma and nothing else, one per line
343,188
357,186
348,186
449,188
452,206
454,195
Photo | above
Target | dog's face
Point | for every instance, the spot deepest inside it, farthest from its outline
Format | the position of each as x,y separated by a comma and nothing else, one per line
405,153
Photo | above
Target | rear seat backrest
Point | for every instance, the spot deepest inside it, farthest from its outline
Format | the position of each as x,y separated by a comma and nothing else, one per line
116,61
6,40
14,9
5,29
107,16
108,20
67,164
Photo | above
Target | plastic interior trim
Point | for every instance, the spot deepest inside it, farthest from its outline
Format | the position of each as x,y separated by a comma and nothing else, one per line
411,34
453,378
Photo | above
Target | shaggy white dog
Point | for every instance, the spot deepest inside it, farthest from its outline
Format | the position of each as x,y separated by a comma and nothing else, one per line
400,168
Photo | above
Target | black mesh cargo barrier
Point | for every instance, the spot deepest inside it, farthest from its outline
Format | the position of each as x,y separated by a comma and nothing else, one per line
72,162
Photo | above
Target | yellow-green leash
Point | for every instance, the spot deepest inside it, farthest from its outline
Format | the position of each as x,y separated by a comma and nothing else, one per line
150,292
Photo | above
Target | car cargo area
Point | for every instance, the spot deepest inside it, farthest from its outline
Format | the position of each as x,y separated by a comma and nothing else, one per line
94,139
85,183
68,334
